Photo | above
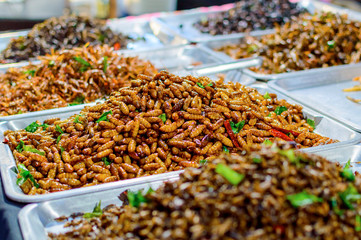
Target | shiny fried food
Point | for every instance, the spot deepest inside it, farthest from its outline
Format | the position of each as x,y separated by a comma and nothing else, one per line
158,124
76,76
310,41
64,32
250,15
274,197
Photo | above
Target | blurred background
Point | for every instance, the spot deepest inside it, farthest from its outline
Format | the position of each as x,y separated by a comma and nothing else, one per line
22,14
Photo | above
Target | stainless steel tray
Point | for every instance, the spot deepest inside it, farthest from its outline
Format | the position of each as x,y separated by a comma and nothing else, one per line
179,28
325,126
322,91
175,59
37,220
213,44
137,29
342,155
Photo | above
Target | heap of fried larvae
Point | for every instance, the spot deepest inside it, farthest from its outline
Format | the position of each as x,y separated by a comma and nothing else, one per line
158,124
272,193
68,77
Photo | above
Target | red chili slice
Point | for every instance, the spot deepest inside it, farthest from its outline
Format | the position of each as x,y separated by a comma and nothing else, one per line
281,135
227,125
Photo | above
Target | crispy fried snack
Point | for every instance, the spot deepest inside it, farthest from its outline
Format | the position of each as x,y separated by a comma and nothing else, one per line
158,124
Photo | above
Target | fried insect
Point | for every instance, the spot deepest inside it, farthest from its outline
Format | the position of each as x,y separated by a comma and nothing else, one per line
150,139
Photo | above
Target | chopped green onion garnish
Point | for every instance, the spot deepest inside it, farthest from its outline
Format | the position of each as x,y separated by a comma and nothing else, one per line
236,127
105,64
349,195
78,100
335,207
76,120
358,223
257,160
32,127
228,173
136,198
303,199
83,62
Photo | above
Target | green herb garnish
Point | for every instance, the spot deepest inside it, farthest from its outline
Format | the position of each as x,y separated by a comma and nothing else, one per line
280,109
225,149
104,117
200,85
267,142
203,162
106,161
163,116
30,72
136,198
311,123
78,100
20,146
101,38
97,211
51,63
27,148
105,64
19,112
236,127
209,84
77,119
25,175
257,160
252,48
32,127
349,195
62,150
266,96
358,223
347,173
58,129
303,199
228,173
331,44
335,207
84,64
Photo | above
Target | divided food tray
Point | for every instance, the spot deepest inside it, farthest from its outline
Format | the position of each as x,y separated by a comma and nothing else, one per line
324,126
37,220
323,91
180,27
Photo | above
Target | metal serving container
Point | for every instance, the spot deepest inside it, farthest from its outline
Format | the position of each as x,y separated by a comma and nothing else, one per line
324,126
175,59
342,155
37,220
137,29
322,91
213,44
179,28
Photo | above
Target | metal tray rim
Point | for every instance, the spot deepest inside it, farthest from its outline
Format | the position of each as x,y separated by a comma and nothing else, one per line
273,85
